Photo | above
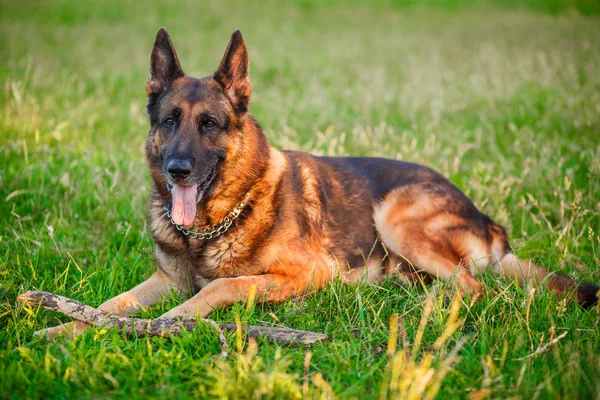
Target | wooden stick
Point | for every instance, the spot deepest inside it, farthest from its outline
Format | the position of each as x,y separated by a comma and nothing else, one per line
160,326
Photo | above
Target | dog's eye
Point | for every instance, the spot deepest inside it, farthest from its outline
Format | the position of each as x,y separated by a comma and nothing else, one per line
169,122
209,124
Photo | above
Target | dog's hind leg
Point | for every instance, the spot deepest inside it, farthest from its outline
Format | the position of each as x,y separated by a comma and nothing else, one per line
415,225
442,233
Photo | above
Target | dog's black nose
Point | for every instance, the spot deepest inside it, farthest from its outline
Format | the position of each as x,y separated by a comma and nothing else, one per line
179,169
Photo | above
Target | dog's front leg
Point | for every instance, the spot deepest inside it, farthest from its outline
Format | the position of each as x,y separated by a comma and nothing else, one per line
146,293
226,291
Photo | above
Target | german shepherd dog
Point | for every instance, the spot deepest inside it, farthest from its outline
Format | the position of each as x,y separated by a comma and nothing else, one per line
230,214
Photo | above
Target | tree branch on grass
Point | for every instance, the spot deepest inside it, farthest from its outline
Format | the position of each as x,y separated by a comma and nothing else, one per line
161,327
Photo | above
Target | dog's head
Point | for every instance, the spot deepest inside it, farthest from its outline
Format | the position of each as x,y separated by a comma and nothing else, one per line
196,123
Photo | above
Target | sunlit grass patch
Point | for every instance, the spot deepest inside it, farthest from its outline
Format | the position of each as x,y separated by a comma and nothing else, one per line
249,376
407,377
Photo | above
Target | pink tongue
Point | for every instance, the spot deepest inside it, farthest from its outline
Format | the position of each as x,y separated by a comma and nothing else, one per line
184,204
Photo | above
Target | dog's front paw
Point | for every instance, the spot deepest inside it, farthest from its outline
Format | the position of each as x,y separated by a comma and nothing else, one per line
185,311
70,330
177,312
123,305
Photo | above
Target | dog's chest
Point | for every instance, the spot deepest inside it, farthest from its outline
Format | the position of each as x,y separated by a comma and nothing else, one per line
222,257
202,262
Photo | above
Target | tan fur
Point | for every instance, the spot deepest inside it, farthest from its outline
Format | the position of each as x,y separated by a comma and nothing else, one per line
372,272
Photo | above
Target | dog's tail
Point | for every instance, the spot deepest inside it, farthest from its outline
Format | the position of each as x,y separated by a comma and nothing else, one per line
525,272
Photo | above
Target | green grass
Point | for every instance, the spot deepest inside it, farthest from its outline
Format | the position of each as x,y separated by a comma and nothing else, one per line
503,98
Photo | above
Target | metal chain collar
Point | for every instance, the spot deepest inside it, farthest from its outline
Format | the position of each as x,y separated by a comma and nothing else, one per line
213,231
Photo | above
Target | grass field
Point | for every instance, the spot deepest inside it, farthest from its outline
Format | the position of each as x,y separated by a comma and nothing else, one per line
503,99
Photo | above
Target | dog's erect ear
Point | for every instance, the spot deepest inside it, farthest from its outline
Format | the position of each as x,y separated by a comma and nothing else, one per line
233,72
164,65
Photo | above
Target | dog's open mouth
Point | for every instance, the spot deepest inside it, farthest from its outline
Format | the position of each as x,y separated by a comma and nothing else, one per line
186,197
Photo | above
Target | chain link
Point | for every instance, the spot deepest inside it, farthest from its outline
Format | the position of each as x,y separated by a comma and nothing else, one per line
213,231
